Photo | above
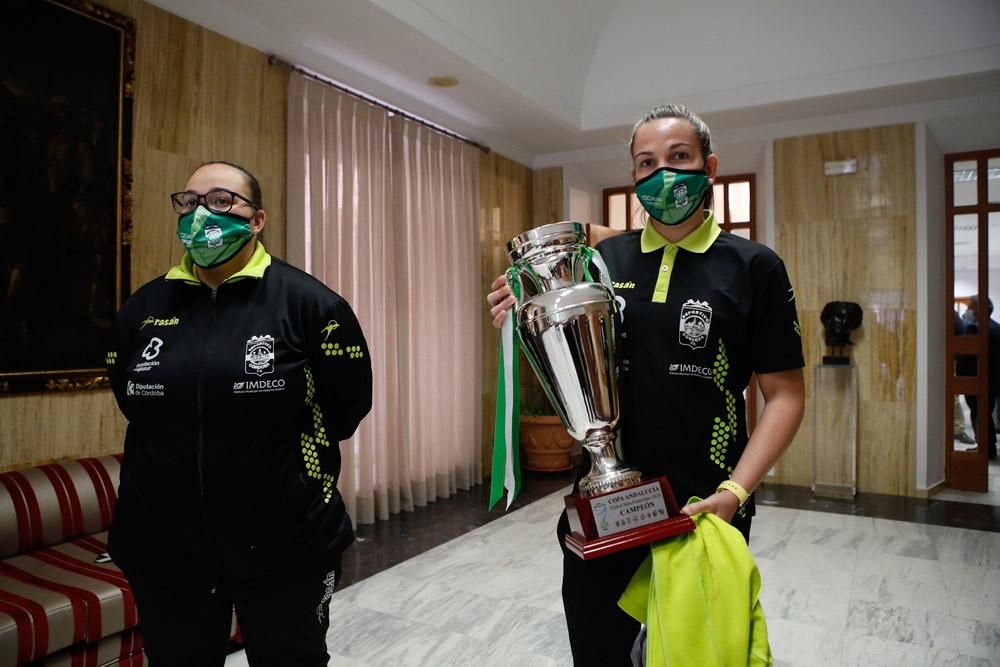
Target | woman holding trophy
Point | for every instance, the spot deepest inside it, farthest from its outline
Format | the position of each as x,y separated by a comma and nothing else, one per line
701,310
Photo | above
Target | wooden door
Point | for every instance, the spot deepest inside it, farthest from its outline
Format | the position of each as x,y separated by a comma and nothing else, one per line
972,207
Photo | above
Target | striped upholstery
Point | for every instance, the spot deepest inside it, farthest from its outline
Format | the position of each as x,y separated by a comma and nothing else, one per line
57,606
52,594
123,649
54,503
56,597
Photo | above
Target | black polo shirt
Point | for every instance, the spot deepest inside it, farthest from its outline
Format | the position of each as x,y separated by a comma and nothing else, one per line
699,317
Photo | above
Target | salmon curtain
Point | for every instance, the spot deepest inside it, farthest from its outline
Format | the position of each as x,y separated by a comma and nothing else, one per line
385,211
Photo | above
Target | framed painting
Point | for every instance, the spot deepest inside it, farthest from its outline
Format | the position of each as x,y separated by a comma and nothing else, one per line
66,93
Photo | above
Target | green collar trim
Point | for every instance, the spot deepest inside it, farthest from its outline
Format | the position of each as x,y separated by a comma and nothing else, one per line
255,268
700,240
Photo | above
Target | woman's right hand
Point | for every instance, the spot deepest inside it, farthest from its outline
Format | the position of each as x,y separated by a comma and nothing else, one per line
501,300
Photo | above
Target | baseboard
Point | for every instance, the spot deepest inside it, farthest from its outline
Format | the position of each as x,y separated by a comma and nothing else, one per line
929,491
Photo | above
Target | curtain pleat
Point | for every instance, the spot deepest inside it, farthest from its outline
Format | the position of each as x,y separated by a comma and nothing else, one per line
385,212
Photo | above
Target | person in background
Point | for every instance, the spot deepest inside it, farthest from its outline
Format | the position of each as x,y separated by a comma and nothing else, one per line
238,375
703,310
993,370
962,367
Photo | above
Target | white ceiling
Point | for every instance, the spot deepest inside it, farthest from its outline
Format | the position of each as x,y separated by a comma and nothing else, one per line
543,77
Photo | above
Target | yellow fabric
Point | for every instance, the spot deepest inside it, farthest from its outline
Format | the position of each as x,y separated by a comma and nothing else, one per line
255,268
663,277
697,594
698,241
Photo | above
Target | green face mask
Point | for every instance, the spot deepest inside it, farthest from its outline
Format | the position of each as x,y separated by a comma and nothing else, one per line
672,195
211,238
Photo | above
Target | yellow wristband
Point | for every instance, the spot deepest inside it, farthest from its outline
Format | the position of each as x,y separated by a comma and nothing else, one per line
737,490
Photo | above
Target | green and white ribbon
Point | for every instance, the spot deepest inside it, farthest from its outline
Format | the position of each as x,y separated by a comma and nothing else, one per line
506,473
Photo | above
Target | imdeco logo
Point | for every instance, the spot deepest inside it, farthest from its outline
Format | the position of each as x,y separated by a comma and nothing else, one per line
691,370
259,386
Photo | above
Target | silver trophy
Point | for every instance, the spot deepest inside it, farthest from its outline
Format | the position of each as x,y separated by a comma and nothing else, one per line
566,323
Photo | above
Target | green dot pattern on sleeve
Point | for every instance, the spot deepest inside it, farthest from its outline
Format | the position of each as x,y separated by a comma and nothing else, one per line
310,442
723,430
329,483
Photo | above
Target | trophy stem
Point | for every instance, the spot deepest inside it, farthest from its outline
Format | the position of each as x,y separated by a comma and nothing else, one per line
607,473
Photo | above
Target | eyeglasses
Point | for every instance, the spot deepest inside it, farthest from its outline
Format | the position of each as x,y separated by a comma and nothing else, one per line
217,201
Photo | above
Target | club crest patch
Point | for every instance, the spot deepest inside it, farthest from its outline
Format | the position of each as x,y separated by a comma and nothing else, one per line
260,355
213,234
696,320
680,195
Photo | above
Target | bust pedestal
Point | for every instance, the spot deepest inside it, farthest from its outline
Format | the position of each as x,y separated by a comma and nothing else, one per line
835,430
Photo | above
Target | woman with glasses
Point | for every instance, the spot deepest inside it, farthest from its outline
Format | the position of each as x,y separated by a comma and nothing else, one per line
238,375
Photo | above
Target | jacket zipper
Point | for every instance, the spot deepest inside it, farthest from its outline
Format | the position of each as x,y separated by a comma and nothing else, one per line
201,441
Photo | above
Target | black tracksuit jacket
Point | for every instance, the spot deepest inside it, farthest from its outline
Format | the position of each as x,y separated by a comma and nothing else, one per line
236,400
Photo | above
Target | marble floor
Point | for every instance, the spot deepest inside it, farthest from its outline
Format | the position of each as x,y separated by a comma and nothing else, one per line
991,497
839,589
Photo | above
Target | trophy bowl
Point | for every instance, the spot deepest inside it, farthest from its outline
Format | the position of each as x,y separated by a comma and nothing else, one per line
568,336
549,257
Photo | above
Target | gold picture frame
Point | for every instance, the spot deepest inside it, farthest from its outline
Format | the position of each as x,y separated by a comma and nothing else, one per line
67,87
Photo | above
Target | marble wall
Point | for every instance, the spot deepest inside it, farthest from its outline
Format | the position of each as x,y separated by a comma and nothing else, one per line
852,238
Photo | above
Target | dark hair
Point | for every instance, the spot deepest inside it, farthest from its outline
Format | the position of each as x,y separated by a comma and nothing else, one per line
974,299
682,112
255,194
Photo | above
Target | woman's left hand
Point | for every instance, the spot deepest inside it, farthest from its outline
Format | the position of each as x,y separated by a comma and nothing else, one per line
721,503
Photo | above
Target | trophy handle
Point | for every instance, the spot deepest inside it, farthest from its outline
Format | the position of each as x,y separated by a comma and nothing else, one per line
593,256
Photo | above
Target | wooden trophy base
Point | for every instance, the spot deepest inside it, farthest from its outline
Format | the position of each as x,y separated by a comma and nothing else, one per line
625,518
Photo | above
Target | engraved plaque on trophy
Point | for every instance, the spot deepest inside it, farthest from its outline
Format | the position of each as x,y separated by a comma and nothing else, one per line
567,323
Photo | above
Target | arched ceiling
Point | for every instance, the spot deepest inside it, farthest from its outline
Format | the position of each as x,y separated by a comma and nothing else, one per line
541,77
720,56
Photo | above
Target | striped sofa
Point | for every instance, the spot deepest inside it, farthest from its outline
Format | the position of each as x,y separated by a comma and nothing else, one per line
59,605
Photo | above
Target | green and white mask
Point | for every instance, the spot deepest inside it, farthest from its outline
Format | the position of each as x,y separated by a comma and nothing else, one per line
212,238
672,195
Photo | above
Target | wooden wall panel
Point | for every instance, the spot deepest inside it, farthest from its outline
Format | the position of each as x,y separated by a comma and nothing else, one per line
852,238
509,206
547,196
199,96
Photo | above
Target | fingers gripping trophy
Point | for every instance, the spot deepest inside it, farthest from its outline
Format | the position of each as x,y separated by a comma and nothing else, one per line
566,323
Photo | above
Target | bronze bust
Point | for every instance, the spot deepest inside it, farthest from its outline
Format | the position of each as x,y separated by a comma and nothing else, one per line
839,319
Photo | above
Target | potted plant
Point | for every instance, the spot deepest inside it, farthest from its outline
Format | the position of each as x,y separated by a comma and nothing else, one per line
546,446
